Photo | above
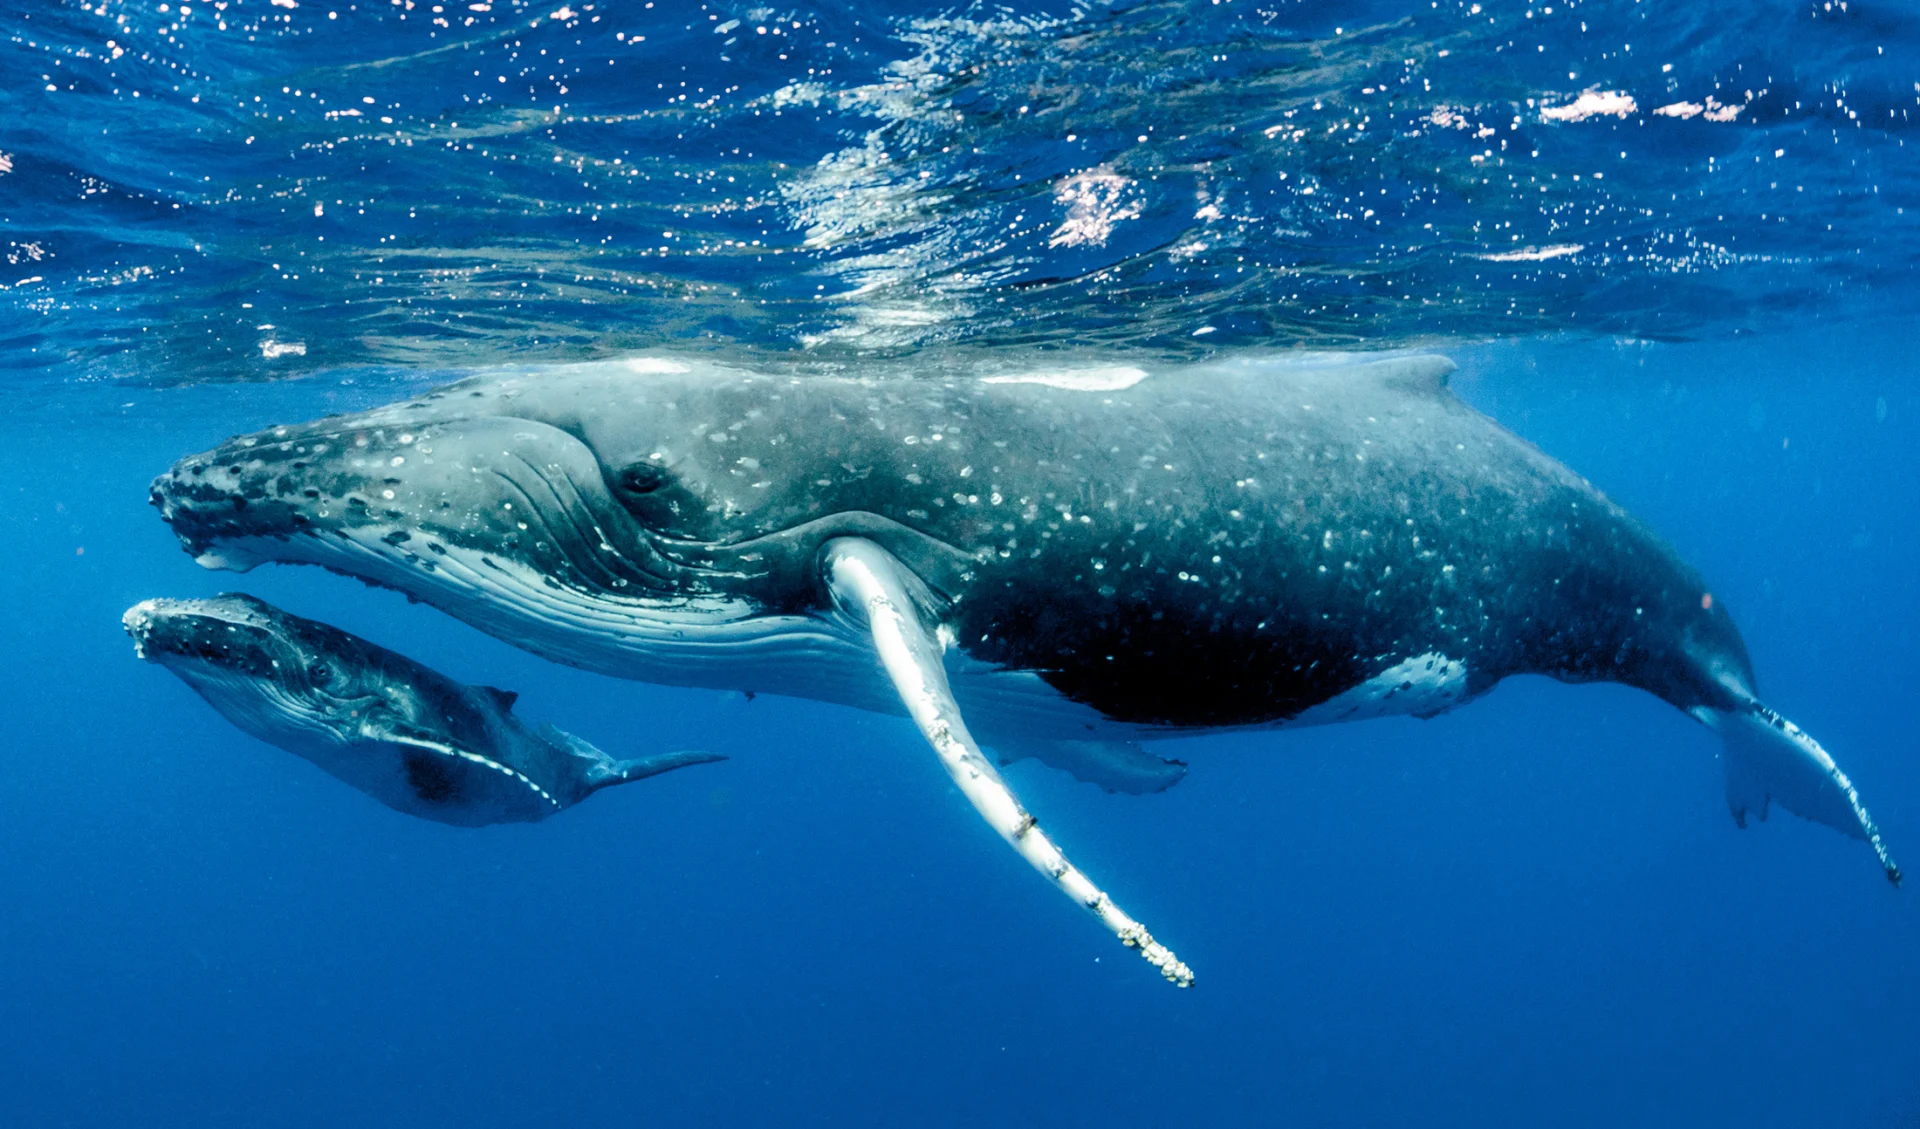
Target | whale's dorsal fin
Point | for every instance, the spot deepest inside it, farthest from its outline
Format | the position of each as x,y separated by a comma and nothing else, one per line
502,698
598,763
1424,376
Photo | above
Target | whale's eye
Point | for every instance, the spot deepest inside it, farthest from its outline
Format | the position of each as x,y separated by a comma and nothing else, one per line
641,478
320,674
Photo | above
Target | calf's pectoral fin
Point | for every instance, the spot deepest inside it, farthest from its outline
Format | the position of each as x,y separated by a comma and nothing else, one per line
423,750
1769,758
869,584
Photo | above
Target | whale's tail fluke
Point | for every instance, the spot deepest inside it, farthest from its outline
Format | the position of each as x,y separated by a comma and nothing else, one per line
639,768
1769,758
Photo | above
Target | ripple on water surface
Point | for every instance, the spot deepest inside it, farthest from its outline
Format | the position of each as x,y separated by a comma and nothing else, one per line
233,190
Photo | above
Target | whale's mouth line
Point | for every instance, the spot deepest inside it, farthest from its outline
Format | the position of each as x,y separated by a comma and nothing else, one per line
270,657
180,632
535,548
251,694
272,675
482,578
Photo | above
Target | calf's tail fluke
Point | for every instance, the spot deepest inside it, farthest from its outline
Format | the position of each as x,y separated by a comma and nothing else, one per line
1769,758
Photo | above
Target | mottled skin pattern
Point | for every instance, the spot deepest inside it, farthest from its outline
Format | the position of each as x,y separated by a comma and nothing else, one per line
1235,546
1228,545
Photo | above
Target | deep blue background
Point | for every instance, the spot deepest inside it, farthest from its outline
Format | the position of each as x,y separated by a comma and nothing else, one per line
1534,911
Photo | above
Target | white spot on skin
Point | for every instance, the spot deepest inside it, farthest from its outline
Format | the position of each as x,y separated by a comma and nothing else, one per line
1112,379
654,365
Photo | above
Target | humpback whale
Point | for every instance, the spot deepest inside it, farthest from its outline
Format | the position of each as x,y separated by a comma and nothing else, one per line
405,734
1063,563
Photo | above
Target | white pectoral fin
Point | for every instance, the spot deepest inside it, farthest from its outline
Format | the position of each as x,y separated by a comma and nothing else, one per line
1769,758
407,739
870,584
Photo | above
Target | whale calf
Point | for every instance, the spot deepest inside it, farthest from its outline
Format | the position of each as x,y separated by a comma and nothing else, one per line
1062,563
408,736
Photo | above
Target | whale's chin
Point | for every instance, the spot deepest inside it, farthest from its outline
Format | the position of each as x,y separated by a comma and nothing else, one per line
226,560
244,554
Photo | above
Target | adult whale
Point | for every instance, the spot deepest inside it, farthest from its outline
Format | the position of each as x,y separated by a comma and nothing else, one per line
1083,558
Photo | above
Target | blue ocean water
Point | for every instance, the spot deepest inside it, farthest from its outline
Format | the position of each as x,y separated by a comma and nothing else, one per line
1534,910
